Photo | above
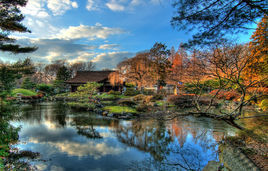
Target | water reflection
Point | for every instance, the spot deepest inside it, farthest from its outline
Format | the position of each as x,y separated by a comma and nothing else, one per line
83,141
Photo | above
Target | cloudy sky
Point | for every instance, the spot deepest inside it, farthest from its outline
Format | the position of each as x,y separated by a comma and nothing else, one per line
102,31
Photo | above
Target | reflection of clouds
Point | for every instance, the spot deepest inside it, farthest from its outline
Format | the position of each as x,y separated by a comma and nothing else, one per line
56,168
96,150
41,166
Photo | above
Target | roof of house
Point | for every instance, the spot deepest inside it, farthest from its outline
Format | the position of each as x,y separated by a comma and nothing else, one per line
89,76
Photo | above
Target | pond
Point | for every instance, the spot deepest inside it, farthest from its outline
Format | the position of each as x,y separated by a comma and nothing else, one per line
70,140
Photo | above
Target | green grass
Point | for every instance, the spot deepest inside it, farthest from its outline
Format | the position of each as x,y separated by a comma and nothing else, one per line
110,96
120,109
24,92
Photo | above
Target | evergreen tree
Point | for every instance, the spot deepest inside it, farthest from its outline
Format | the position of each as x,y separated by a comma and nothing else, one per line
63,73
10,21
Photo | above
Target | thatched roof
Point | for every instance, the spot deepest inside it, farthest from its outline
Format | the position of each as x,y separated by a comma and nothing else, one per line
89,76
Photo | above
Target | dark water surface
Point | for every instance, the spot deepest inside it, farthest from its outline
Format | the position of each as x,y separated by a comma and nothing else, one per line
69,140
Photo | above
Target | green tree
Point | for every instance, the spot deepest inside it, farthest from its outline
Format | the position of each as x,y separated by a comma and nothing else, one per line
10,21
160,63
63,73
27,83
88,89
216,19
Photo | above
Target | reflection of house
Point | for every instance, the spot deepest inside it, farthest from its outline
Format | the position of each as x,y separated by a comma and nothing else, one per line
82,77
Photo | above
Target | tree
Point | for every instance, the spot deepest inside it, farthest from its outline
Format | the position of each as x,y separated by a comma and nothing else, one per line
136,69
176,74
63,74
10,21
159,63
216,19
27,83
258,65
88,89
82,66
9,73
51,70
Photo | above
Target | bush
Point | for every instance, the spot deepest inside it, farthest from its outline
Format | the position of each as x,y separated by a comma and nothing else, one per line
131,92
181,100
226,95
158,97
142,108
148,92
79,105
126,102
47,88
142,98
24,92
112,92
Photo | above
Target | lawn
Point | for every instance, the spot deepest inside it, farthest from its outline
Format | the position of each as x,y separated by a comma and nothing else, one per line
24,92
120,109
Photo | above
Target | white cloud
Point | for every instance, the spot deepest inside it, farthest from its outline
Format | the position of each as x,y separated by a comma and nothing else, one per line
110,59
109,46
90,32
93,5
59,7
35,8
115,5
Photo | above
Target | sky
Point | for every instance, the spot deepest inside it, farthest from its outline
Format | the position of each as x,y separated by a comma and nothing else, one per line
103,31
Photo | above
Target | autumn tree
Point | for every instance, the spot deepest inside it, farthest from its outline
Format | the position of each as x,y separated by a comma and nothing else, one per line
136,69
258,65
225,65
160,64
214,20
176,74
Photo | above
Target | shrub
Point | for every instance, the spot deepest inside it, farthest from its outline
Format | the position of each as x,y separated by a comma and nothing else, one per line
142,98
142,108
112,92
226,95
181,100
126,102
131,92
47,88
148,92
79,105
158,97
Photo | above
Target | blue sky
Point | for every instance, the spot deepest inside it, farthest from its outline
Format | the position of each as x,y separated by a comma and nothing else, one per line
102,31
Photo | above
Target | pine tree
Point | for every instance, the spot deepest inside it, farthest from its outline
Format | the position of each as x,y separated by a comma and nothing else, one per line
10,21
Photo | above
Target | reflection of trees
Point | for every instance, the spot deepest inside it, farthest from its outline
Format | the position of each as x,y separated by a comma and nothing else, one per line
148,136
85,125
55,114
182,144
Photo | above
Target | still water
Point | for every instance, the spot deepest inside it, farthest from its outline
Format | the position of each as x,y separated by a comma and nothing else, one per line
71,140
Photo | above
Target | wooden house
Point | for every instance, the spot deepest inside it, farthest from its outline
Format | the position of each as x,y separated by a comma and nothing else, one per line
82,77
